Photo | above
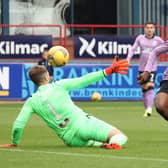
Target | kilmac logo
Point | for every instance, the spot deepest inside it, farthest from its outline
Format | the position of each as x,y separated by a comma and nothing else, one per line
11,47
98,47
4,81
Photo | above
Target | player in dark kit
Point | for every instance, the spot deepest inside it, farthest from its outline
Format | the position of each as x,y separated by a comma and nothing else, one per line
45,63
161,101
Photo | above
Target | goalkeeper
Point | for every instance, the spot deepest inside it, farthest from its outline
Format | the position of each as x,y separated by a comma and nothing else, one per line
53,104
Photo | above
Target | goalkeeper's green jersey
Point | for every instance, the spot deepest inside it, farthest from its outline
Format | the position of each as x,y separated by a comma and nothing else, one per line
53,104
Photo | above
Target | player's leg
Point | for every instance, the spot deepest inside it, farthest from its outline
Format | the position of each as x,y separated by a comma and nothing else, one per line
116,136
115,140
73,138
148,94
99,133
148,97
161,101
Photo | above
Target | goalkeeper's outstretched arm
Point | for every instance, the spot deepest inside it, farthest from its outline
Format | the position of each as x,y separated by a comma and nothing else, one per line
91,78
19,124
21,121
81,82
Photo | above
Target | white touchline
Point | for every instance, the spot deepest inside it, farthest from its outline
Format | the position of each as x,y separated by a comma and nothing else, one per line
88,155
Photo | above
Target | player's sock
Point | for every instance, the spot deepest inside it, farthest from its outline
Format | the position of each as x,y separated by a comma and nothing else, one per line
103,145
144,99
119,139
149,98
94,143
115,142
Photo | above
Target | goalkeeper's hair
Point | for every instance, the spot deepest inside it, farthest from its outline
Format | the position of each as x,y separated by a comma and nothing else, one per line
37,73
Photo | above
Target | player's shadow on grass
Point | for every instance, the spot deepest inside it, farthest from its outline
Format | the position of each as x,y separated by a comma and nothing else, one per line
56,147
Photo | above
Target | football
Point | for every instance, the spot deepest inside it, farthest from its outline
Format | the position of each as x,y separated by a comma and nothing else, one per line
58,56
96,96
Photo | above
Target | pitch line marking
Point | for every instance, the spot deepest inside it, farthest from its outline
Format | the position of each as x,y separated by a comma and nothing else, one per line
88,155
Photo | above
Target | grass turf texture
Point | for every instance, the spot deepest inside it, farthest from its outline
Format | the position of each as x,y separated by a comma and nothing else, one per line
40,147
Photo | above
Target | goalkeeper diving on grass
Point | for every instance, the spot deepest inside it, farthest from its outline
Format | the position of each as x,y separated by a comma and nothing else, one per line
52,103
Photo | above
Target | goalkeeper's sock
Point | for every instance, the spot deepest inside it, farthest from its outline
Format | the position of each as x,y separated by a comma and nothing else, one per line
104,145
119,139
94,143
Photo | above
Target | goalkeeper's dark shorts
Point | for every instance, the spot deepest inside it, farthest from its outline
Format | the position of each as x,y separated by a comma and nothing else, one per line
163,87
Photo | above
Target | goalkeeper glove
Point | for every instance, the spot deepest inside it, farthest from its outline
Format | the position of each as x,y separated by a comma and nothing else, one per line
8,145
118,67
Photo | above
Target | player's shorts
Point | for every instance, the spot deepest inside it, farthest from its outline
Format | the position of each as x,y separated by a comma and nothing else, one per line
89,129
163,87
151,78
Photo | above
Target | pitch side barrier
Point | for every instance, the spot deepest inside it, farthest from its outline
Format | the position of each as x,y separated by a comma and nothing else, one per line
93,46
90,46
28,41
16,85
93,27
23,47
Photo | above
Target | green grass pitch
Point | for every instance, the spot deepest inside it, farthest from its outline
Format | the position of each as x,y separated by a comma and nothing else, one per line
40,147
